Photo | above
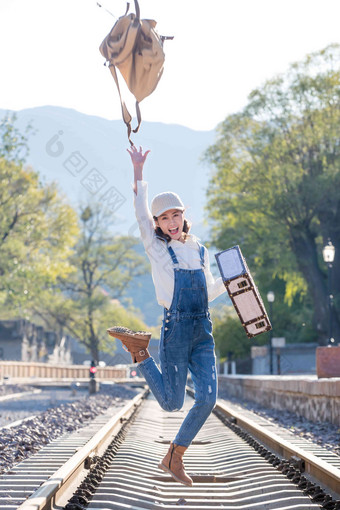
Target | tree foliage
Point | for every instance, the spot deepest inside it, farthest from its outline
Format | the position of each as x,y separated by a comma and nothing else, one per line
56,268
13,142
275,190
230,338
86,301
37,228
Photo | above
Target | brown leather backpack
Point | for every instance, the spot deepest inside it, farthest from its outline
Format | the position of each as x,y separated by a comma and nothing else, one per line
134,47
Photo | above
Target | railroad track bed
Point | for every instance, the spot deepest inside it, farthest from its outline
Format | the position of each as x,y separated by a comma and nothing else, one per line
25,477
313,468
284,433
22,438
231,466
227,472
24,403
324,434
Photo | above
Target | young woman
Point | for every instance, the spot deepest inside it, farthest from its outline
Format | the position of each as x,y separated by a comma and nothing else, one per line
184,285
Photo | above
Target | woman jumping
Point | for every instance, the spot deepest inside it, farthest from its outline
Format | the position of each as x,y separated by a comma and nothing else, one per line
184,285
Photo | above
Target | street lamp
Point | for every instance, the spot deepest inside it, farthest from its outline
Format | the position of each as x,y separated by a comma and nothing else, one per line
328,254
271,299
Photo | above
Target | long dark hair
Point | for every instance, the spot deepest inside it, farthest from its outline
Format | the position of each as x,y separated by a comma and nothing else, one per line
160,233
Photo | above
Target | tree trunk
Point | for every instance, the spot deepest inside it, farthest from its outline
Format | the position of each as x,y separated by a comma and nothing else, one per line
94,350
330,226
335,238
336,282
304,248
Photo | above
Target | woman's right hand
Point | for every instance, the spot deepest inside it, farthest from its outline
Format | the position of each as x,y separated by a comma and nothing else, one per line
137,157
138,160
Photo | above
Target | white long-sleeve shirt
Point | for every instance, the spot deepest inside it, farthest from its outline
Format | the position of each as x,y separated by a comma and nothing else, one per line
161,264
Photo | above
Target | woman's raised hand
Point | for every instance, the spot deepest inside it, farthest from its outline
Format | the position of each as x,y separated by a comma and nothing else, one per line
137,156
138,160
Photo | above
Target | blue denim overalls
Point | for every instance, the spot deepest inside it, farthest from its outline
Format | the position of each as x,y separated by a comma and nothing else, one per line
186,343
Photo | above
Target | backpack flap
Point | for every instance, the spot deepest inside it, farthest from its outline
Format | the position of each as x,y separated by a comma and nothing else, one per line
119,43
149,60
148,65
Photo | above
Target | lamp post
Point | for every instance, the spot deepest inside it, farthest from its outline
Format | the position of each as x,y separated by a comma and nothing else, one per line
271,299
328,254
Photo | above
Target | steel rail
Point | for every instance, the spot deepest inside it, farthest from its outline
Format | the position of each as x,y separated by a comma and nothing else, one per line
51,492
18,422
317,468
13,396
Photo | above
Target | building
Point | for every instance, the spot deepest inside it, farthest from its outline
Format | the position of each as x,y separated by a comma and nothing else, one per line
21,340
299,358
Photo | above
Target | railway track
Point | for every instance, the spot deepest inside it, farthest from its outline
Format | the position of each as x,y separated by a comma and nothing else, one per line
112,463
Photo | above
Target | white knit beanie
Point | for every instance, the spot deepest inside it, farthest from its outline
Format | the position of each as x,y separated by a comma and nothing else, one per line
164,202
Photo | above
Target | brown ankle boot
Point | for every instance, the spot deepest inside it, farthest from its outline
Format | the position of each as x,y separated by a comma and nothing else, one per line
135,342
173,464
139,356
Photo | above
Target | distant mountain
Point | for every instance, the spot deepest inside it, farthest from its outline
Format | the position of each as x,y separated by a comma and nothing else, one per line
87,157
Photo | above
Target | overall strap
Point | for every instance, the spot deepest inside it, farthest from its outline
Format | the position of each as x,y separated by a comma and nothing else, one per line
201,250
173,256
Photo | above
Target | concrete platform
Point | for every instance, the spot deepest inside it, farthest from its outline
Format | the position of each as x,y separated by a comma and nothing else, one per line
315,399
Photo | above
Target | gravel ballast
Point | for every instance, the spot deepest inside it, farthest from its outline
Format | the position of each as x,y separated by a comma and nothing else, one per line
22,440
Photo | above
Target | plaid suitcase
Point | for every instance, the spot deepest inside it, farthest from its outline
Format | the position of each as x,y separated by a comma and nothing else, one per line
243,291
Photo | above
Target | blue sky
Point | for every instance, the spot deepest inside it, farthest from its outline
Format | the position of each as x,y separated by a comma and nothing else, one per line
221,51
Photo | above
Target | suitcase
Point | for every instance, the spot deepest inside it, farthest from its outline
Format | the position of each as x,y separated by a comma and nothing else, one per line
243,291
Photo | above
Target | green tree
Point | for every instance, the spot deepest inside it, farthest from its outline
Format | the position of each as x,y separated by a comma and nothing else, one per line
13,143
64,273
37,228
230,338
276,186
86,302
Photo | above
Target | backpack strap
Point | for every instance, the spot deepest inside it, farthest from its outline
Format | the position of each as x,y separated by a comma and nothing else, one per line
127,118
125,112
139,117
137,10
